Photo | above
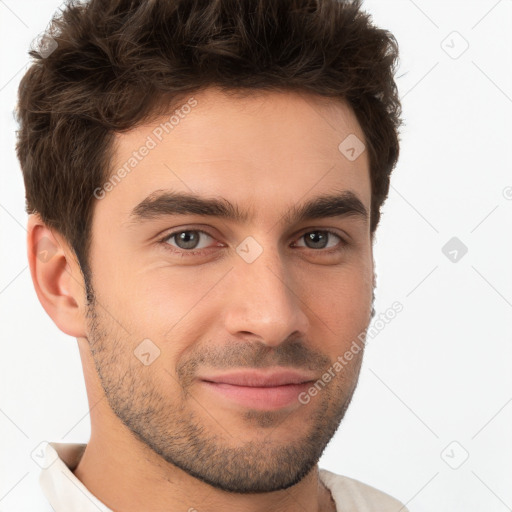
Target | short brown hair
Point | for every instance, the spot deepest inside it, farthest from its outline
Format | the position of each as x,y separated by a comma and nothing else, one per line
119,63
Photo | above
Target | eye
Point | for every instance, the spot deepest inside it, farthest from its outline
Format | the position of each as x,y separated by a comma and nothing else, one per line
187,239
318,239
191,242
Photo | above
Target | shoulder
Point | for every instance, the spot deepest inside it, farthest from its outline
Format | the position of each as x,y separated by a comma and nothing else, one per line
351,494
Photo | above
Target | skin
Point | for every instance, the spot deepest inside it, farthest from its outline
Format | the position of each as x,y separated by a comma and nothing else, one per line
160,439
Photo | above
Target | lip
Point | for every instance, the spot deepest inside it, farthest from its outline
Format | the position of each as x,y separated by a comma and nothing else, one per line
262,379
259,390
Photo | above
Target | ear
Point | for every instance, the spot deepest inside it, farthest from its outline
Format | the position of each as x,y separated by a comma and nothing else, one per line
57,277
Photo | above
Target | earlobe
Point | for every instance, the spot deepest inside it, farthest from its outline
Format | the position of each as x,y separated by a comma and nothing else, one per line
56,276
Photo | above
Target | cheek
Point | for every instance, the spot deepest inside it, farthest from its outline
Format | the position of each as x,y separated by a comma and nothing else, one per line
170,295
340,305
153,294
343,295
171,307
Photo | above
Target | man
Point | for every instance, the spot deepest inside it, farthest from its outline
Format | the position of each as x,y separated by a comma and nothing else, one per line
204,181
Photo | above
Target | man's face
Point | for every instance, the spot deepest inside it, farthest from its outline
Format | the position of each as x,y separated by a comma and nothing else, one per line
197,317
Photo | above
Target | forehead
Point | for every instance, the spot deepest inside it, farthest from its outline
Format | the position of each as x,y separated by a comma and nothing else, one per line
262,149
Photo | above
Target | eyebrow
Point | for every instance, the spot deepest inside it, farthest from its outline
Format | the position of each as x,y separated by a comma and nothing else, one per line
163,203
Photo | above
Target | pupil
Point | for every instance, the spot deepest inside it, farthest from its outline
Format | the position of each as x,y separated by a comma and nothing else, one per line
188,238
317,237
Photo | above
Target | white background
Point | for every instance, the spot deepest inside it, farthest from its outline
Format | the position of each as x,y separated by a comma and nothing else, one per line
439,372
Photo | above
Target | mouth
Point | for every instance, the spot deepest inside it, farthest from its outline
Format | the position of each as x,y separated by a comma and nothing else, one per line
269,390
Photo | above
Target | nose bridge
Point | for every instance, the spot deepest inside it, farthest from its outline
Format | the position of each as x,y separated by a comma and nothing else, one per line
262,300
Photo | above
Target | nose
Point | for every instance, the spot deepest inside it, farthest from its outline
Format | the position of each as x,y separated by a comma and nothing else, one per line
263,302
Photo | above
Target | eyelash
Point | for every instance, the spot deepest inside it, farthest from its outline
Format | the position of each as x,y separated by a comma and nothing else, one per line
191,252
